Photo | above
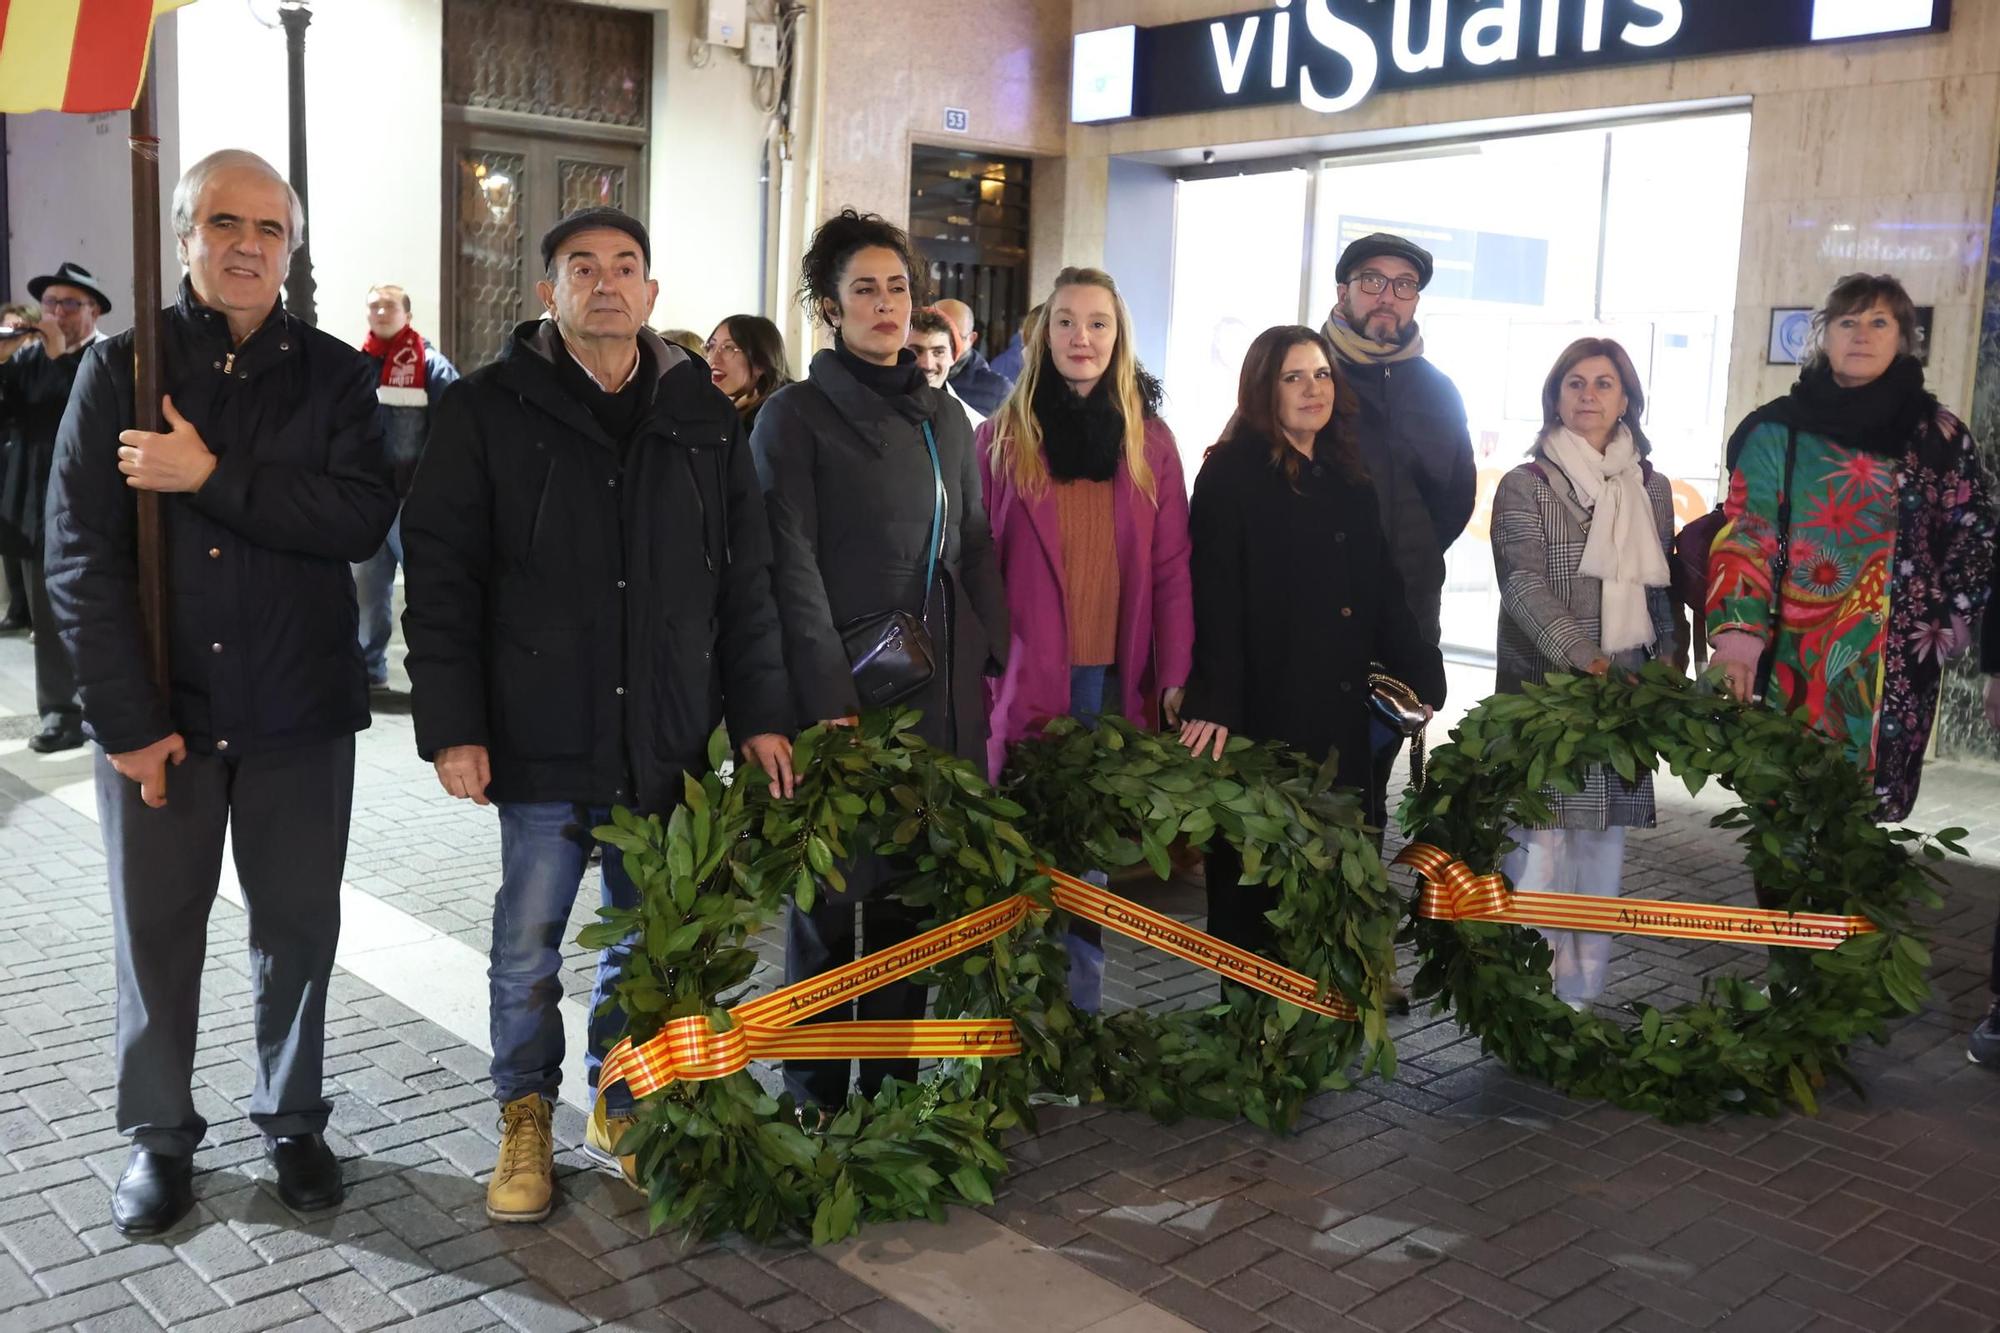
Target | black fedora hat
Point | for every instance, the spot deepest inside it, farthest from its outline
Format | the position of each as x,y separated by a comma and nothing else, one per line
71,274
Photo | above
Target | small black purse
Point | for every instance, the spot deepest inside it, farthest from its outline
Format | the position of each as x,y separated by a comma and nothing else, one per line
889,652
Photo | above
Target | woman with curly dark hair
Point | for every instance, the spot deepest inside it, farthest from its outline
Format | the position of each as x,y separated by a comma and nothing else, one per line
873,493
1295,594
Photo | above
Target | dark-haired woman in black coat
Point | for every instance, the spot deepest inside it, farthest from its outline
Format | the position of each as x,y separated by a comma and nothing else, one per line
1295,594
850,490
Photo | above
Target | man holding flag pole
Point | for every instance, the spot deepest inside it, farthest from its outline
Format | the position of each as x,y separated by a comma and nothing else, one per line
216,472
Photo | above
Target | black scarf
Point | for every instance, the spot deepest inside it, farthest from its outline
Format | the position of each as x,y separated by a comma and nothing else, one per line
1882,417
1084,438
888,381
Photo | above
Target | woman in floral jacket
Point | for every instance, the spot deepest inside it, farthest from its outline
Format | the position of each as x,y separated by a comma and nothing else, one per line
1879,558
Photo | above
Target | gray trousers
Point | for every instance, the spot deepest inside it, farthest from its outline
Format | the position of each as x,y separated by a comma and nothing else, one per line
55,678
286,814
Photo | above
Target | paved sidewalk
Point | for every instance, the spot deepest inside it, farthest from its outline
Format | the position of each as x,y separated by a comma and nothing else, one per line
1458,1197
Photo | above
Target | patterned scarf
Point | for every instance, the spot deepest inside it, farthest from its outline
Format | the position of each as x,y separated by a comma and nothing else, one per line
1352,347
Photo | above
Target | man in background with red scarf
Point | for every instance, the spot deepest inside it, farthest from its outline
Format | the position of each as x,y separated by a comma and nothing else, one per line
414,375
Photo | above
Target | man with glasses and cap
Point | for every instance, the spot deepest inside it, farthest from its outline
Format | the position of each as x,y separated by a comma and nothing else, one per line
1413,433
37,368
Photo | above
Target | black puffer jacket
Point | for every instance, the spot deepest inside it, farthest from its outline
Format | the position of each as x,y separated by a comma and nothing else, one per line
260,602
589,620
1418,452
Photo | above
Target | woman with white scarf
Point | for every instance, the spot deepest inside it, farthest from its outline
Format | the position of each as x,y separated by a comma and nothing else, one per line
1581,533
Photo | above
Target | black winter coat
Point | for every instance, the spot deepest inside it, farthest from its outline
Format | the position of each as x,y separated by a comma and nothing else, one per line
1295,594
589,621
1418,452
34,389
849,487
260,602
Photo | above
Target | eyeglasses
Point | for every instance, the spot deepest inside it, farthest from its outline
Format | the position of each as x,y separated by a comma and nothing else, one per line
1368,280
64,305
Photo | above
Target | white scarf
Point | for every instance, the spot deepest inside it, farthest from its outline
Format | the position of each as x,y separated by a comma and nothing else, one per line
1623,549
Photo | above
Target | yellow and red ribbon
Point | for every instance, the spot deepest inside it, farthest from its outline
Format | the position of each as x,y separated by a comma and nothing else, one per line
1450,891
767,1028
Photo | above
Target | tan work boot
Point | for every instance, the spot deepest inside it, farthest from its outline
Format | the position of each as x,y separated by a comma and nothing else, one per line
600,1142
523,1186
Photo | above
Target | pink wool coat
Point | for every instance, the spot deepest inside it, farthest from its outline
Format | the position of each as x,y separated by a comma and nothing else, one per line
1155,601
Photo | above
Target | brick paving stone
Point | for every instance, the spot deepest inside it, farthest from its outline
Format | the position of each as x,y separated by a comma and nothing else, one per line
174,1293
878,1317
1586,1311
823,1281
68,1309
352,1302
255,1317
281,1276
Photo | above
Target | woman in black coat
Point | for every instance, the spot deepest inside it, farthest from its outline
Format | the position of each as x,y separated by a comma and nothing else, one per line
850,489
1295,593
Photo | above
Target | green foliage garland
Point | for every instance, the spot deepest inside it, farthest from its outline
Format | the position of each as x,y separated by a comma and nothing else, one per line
722,1154
1805,822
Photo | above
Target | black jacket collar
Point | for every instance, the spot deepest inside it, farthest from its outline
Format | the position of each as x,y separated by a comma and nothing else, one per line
686,406
207,333
862,406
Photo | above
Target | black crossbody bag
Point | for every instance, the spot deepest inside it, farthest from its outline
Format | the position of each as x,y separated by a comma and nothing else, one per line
890,652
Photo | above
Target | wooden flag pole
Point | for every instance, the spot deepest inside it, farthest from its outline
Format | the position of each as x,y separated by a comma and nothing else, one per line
152,554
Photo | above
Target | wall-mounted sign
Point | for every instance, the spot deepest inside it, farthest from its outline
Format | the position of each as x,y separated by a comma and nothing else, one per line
1330,55
957,119
1791,326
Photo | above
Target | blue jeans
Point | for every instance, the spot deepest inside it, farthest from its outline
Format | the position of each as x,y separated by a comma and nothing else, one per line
544,848
1090,689
375,589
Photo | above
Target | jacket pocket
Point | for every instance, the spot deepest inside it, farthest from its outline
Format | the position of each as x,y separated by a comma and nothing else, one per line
542,677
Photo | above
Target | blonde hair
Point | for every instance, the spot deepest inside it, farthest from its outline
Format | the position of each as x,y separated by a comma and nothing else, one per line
1016,447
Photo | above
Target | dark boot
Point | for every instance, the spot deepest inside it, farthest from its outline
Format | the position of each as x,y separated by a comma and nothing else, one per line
155,1191
308,1172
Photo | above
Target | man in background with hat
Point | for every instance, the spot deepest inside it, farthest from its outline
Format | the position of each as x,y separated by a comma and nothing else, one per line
37,369
589,596
1413,435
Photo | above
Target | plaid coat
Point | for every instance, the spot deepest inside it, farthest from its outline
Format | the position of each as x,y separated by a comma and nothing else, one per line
1549,617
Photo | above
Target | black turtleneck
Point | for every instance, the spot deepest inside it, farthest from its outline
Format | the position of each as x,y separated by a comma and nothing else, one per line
617,413
888,381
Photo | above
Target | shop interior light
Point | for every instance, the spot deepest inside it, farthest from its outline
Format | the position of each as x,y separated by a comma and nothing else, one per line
1101,74
1833,19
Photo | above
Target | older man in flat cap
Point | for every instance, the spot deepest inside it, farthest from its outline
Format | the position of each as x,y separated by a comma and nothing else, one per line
588,597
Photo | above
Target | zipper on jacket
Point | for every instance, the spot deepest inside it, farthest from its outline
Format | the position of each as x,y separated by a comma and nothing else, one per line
229,361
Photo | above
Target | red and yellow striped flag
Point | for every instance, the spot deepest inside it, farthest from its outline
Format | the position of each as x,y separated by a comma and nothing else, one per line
75,55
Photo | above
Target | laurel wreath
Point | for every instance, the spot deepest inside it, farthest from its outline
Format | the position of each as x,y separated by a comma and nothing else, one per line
1804,819
724,1154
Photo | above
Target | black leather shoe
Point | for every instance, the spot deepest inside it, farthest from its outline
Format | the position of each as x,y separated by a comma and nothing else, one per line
53,740
308,1172
15,621
155,1192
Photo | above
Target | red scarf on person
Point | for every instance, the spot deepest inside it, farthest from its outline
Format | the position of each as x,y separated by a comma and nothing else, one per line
402,359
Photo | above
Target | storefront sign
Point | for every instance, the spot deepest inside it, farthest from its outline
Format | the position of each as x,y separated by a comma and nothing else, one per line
1330,55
